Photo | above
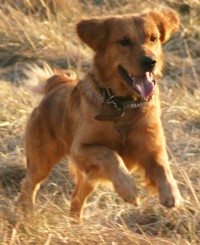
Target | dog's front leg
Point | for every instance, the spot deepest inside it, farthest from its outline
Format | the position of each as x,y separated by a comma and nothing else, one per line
159,172
98,162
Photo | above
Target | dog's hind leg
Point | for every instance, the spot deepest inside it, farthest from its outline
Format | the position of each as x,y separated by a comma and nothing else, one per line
37,172
43,152
82,190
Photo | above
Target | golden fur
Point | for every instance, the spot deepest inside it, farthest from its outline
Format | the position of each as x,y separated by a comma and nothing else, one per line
65,122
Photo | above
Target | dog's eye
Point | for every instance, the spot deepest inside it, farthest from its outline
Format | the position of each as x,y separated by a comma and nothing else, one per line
152,38
125,42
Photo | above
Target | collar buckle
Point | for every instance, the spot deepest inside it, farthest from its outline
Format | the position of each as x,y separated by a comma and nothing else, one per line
111,99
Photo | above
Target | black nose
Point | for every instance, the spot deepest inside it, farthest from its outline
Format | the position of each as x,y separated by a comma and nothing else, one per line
147,63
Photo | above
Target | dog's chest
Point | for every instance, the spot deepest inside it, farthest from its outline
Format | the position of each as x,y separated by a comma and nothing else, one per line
132,134
121,138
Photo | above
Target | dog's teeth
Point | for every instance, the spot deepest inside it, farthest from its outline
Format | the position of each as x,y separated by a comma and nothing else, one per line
151,76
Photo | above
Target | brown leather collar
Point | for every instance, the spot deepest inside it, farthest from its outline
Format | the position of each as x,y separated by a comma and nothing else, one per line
120,103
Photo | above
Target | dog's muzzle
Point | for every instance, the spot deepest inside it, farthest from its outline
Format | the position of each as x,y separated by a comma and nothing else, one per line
142,85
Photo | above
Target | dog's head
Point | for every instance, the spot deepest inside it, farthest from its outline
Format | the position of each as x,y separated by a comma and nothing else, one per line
128,52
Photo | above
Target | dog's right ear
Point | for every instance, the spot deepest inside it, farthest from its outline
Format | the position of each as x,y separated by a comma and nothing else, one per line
92,32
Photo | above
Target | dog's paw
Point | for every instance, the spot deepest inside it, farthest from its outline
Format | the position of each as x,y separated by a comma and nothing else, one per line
170,197
126,188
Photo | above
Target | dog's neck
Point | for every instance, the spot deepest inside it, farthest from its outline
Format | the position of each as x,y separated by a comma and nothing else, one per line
120,103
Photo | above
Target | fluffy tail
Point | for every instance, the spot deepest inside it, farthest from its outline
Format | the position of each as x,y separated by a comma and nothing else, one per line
37,77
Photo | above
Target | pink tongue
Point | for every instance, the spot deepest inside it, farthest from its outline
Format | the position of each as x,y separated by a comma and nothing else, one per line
144,85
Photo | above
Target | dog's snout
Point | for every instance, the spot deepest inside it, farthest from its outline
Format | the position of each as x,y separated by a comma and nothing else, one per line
147,63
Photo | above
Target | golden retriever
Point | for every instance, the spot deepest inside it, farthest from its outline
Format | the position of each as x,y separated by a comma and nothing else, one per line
109,122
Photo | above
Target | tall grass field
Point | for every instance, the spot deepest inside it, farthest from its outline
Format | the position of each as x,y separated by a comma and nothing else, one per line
34,31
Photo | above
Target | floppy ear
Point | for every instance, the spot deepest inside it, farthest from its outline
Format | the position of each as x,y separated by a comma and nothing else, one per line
167,21
92,32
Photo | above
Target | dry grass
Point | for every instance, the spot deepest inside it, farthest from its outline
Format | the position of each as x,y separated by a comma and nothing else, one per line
37,30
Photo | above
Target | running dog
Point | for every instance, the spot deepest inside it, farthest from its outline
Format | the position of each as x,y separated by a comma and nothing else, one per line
108,123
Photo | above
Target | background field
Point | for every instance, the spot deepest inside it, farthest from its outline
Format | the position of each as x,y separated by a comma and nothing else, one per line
44,30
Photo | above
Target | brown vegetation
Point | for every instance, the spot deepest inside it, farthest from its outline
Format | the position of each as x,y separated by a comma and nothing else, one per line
46,31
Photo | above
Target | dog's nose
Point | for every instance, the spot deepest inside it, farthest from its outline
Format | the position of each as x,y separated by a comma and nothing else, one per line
147,63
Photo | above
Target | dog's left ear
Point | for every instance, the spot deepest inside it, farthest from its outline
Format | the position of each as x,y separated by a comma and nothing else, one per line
167,21
92,32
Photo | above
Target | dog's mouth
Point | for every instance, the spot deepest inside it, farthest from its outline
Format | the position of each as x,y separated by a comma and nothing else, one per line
142,85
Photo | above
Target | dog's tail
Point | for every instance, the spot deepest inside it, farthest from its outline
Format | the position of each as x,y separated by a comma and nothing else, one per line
38,78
